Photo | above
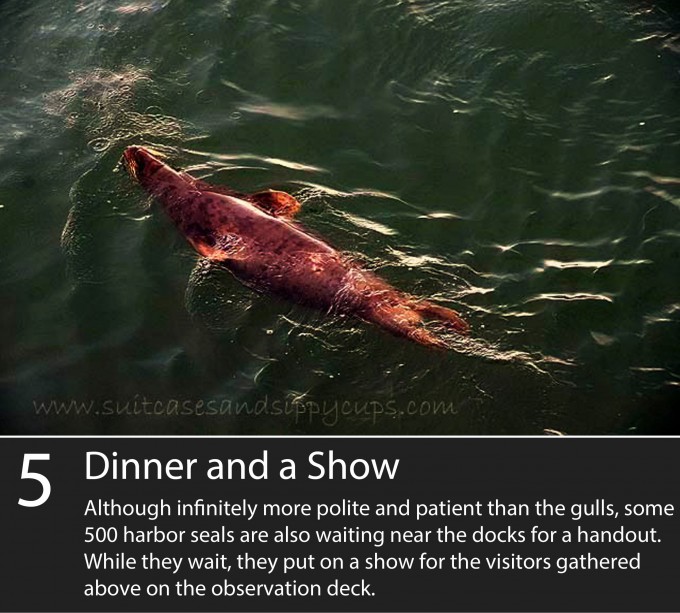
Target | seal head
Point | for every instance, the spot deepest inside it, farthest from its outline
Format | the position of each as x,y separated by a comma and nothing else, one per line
142,164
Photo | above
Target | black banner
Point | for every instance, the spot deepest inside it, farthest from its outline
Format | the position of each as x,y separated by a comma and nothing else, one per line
372,524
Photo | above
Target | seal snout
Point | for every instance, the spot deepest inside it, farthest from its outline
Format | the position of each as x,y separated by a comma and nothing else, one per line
139,160
133,160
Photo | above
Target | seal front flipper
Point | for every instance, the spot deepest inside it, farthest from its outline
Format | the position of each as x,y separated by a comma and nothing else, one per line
278,204
220,247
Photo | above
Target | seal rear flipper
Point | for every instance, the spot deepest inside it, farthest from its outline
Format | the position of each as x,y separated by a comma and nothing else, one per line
448,317
402,320
278,204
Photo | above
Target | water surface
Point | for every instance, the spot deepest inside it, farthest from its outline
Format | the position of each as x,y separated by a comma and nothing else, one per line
517,160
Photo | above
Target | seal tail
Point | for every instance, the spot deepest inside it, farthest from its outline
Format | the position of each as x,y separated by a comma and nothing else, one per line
448,317
403,320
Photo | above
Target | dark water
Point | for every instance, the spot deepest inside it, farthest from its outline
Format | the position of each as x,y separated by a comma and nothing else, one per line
517,160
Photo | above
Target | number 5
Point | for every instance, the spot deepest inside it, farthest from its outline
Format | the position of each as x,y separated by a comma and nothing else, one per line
42,479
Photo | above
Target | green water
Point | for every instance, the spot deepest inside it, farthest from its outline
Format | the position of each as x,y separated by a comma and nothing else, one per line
517,160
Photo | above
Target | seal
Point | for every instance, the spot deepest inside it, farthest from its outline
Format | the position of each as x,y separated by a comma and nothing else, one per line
256,238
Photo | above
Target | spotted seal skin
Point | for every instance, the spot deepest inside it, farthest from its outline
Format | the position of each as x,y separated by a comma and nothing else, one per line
255,237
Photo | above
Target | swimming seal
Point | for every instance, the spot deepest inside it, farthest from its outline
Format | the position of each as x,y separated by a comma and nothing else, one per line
255,237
